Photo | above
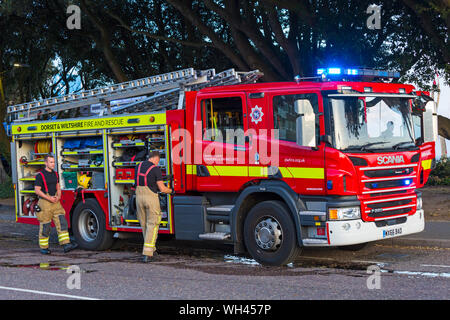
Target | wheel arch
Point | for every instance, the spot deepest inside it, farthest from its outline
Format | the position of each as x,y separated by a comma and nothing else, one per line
264,191
79,200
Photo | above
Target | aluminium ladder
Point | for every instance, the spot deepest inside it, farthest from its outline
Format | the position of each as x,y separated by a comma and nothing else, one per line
164,91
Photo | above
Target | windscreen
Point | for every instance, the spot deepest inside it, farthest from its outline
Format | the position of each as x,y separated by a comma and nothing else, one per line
369,123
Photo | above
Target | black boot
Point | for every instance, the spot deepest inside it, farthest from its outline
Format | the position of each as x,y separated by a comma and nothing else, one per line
148,259
70,246
45,251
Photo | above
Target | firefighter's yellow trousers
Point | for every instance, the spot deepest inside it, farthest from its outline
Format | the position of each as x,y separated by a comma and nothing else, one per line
52,212
149,216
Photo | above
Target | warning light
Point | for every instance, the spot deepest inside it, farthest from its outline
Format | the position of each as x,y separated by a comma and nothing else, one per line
152,119
358,72
407,182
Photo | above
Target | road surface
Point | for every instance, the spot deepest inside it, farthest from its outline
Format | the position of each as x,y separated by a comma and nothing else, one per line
188,270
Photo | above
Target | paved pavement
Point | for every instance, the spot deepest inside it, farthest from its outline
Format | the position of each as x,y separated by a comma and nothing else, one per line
436,234
207,271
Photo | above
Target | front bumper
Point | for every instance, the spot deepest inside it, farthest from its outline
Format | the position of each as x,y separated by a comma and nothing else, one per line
339,233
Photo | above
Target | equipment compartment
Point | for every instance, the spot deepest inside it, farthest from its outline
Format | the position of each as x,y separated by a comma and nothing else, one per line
30,160
127,151
82,161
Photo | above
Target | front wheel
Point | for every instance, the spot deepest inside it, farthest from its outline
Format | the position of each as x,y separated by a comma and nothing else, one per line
269,234
89,226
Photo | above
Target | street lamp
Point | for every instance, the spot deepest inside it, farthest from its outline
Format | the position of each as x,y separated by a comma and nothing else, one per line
21,65
15,65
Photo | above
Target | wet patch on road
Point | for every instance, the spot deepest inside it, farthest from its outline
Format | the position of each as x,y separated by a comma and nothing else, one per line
47,266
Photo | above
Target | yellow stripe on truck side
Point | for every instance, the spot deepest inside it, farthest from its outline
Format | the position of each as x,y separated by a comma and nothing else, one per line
191,169
260,172
307,173
228,171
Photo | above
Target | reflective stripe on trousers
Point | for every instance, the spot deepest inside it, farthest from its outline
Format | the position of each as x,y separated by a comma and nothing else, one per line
52,212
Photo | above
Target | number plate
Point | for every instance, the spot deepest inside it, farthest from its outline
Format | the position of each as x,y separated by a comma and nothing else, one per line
392,232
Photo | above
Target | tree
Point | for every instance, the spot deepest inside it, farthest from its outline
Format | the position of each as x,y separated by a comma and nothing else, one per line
124,39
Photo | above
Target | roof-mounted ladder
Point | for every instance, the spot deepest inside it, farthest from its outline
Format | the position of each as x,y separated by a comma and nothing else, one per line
164,91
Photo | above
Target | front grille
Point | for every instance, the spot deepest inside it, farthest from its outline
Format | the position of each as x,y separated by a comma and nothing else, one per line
390,222
389,213
378,194
387,184
388,172
389,204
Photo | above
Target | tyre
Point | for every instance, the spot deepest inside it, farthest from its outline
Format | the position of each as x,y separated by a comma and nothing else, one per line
354,247
270,235
89,226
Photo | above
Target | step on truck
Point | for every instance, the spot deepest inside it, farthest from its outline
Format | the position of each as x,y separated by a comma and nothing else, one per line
333,160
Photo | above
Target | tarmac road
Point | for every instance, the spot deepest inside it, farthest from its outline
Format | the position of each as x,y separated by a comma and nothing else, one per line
209,271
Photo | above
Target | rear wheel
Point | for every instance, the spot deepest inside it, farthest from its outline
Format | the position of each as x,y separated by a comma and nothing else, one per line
89,226
269,234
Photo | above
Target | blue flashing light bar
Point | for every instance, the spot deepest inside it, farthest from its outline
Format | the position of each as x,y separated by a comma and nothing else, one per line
321,71
407,182
357,72
334,70
351,72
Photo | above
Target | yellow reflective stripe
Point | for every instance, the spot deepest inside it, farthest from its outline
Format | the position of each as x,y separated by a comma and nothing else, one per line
191,169
148,245
307,173
426,164
285,173
257,171
230,171
261,171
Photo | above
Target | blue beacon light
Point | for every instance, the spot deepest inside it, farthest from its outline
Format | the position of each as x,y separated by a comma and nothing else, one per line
407,182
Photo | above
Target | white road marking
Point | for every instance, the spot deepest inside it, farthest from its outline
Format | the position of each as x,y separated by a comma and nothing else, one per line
48,293
435,265
421,273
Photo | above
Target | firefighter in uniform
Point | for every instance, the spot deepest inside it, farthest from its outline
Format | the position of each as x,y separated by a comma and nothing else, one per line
49,208
149,181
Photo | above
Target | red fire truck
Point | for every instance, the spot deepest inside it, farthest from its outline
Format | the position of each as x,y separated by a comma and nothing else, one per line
334,160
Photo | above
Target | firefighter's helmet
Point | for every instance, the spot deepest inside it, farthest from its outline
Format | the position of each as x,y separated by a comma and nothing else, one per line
84,180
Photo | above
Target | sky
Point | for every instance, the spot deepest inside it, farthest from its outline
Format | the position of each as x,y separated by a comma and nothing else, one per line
443,109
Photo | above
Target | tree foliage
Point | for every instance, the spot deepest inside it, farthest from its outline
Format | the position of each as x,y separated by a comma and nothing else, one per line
121,39
129,39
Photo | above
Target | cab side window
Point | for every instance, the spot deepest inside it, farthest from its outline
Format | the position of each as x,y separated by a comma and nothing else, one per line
286,117
222,119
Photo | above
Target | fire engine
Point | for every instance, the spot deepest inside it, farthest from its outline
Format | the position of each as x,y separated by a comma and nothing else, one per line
332,160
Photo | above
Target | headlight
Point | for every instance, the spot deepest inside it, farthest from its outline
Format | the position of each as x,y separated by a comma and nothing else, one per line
419,203
344,213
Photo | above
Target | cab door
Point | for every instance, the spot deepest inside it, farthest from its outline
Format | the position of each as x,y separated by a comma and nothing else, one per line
300,160
425,131
222,164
